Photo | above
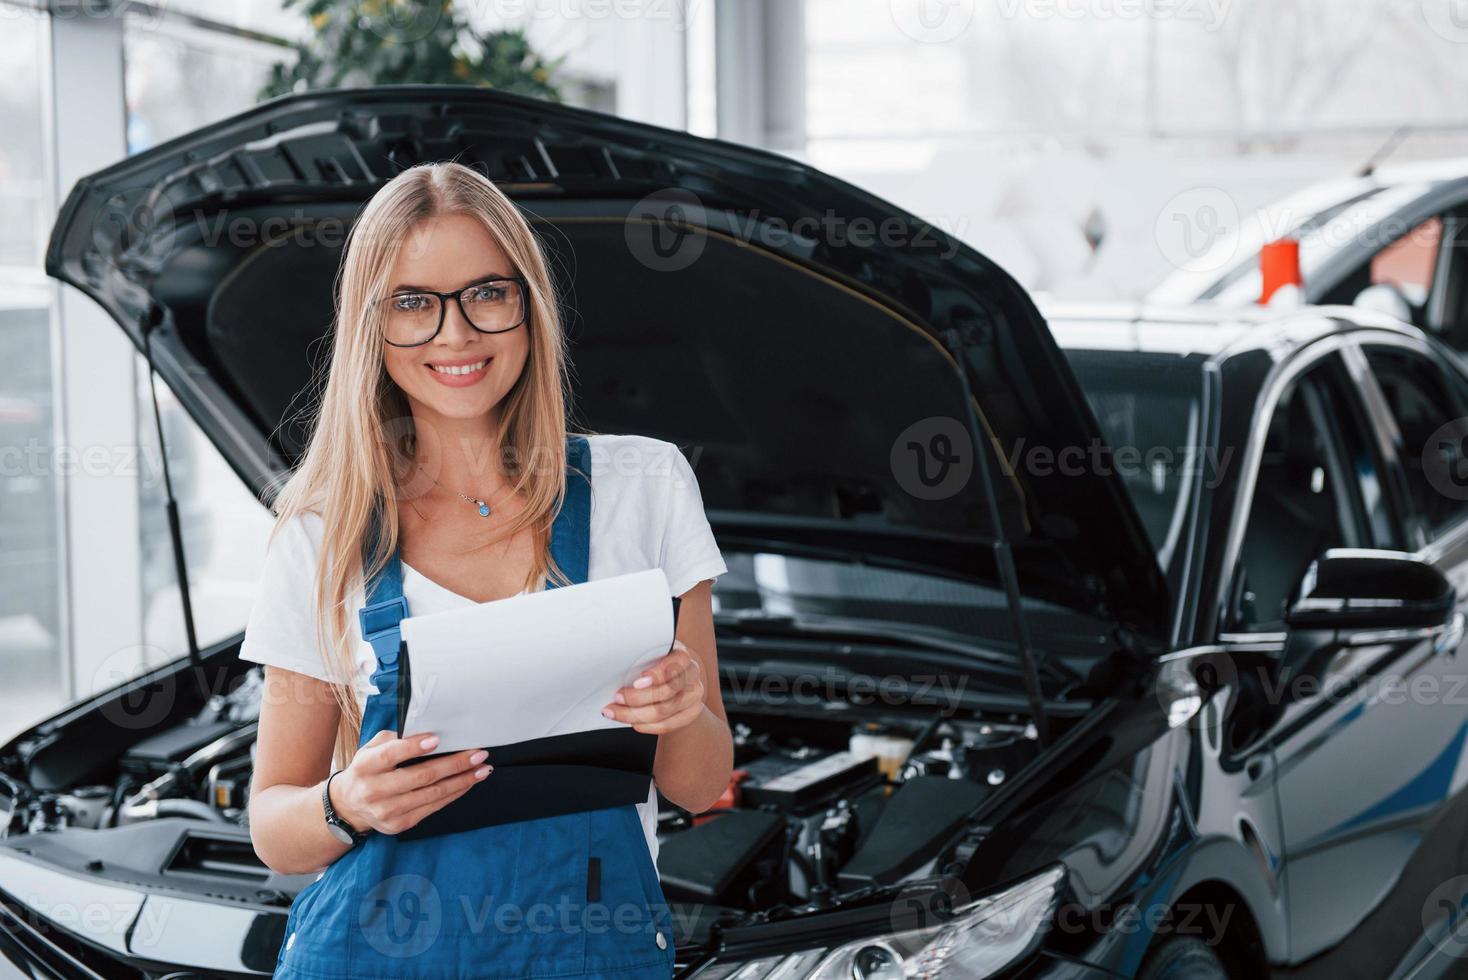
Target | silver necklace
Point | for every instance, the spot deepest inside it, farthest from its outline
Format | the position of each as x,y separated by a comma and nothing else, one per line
483,506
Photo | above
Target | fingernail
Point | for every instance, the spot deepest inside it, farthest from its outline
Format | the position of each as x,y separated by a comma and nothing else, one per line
478,757
483,771
429,742
607,712
618,698
642,682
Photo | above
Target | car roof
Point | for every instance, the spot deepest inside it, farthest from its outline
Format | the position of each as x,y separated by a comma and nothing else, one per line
1210,332
1445,168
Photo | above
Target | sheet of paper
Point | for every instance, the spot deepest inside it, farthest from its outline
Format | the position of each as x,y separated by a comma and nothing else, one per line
534,665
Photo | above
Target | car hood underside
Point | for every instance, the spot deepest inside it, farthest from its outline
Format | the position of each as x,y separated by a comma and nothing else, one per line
800,339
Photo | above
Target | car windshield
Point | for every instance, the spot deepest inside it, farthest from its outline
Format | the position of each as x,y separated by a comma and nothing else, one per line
817,591
1149,408
1148,404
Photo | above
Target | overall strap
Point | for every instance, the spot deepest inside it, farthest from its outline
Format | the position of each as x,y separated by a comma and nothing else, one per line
385,607
570,543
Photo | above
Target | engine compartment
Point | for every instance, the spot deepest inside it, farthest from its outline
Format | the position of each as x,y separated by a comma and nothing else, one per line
827,800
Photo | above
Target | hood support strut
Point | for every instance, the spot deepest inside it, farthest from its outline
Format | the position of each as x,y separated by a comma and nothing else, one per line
1003,554
175,529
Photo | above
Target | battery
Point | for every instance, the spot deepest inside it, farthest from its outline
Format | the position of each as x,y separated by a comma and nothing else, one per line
797,784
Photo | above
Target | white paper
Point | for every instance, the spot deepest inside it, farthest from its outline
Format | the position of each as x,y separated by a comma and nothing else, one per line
534,665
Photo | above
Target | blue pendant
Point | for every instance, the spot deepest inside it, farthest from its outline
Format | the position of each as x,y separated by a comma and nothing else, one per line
483,508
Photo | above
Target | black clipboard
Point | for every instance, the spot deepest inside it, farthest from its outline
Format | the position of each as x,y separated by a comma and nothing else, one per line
542,777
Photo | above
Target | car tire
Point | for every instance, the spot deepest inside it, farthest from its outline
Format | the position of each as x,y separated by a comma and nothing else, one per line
1183,958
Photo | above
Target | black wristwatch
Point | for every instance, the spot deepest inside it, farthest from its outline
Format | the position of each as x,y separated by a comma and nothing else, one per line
339,828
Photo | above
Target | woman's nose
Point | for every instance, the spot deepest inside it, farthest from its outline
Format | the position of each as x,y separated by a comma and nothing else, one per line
456,329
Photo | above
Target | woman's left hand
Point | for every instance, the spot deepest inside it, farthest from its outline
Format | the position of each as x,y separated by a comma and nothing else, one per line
665,697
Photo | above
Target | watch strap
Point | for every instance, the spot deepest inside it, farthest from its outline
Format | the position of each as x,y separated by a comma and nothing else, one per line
334,818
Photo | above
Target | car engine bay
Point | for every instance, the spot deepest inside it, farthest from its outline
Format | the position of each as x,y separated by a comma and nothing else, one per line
827,800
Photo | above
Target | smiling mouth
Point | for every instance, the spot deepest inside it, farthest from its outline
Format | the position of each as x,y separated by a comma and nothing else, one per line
459,369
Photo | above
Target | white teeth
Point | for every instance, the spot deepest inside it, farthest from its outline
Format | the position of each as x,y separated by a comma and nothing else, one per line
461,369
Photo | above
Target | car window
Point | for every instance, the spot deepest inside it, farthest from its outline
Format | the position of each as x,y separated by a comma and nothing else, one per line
1351,428
1447,306
1307,497
1149,409
1408,262
1429,438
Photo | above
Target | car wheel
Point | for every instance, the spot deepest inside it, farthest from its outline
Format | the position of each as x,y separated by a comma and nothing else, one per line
1183,958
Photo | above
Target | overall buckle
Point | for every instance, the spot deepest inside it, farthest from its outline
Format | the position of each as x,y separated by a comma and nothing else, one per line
379,618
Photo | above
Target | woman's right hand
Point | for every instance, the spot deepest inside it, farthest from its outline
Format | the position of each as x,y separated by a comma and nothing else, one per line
372,793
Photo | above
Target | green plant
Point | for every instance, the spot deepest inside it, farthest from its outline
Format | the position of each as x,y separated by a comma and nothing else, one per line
390,42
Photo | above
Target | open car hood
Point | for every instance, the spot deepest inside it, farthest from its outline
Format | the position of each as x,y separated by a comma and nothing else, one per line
795,335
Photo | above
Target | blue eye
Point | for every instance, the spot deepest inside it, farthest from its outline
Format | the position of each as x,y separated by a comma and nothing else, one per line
410,303
487,294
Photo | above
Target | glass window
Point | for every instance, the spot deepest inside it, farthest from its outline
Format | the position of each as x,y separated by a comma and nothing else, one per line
1149,409
1303,504
1361,458
25,206
1408,262
31,628
1431,457
180,77
224,530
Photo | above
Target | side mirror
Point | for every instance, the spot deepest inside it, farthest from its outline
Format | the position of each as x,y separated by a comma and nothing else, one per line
1363,589
1385,297
1348,591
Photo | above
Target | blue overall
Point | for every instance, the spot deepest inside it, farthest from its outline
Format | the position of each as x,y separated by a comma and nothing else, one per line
565,896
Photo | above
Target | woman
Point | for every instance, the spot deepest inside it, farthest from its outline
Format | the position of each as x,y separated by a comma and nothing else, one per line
440,473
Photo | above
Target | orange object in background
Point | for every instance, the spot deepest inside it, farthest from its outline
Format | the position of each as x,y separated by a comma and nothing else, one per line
1279,265
728,801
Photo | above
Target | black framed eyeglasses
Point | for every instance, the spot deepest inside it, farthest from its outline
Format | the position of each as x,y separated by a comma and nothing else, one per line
415,316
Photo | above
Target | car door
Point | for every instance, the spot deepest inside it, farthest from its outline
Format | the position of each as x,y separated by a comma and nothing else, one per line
1367,746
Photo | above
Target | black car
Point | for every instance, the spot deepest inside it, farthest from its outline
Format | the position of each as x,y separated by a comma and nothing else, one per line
1129,655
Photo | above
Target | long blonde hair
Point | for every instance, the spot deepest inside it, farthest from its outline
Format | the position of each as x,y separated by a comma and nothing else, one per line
363,436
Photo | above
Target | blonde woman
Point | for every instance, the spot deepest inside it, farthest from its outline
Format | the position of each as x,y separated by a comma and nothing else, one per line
440,473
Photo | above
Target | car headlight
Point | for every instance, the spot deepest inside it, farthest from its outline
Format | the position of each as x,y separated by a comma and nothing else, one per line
981,938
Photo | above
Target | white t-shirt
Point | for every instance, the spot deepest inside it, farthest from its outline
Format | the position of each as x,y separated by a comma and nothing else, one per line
646,512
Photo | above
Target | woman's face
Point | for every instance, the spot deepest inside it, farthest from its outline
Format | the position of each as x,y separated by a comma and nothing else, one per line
444,254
